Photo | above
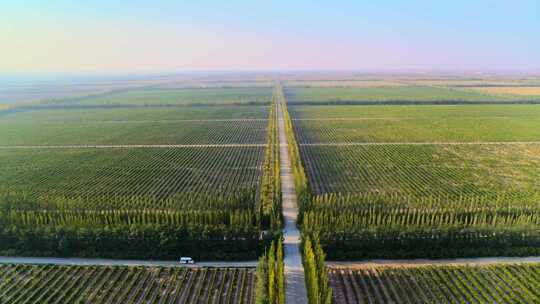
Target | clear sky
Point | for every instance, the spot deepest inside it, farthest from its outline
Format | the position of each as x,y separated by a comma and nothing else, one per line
137,36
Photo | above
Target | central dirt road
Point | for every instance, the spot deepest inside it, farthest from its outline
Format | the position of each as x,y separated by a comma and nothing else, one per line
295,288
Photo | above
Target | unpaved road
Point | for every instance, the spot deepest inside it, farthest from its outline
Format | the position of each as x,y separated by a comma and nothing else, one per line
111,262
427,262
295,288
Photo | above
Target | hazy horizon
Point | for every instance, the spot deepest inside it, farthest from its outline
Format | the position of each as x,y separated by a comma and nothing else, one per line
165,36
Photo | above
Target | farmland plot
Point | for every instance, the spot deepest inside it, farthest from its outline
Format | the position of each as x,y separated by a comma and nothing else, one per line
512,283
187,96
423,170
391,94
130,285
427,123
235,125
131,175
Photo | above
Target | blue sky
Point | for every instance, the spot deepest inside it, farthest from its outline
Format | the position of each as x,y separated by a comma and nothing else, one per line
60,36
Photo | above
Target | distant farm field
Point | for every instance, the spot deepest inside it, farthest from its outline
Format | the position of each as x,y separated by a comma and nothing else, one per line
426,123
509,90
236,125
119,284
187,96
437,284
397,94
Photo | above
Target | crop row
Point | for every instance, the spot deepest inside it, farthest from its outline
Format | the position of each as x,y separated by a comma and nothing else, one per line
136,132
512,283
423,170
423,125
25,284
180,96
131,177
394,95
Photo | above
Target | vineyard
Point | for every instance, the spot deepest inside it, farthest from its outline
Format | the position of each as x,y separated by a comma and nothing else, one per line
131,285
172,132
411,94
423,170
95,202
185,96
131,175
511,283
426,123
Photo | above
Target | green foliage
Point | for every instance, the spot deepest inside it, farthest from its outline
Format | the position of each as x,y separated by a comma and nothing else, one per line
271,276
122,284
317,284
424,170
502,283
134,127
426,123
270,190
261,291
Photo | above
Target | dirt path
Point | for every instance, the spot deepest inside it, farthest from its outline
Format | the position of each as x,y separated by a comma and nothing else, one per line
420,143
130,146
110,262
428,262
295,288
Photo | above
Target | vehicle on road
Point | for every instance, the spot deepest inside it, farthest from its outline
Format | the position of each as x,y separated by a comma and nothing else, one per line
186,260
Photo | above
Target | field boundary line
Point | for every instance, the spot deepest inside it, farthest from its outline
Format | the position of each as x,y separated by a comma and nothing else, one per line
129,146
420,143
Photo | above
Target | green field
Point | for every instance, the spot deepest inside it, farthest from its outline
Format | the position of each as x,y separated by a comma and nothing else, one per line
424,170
207,125
391,94
106,284
426,123
188,96
437,284
104,114
96,202
105,177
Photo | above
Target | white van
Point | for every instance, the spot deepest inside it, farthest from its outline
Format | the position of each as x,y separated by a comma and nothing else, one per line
186,260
